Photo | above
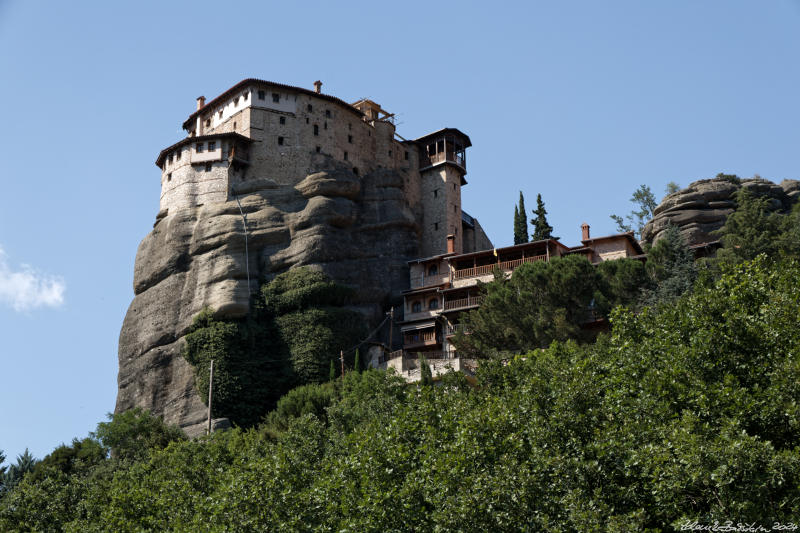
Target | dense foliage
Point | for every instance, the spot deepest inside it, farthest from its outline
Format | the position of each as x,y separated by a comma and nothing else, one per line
297,325
687,411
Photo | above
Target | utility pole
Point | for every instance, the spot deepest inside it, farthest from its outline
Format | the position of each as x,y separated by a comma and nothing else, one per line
341,359
210,392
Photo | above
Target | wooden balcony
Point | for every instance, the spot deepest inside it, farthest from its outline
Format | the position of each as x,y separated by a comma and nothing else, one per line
457,158
462,303
418,339
505,266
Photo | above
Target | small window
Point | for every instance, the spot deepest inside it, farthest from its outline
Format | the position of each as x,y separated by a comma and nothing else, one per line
198,148
436,226
276,98
244,96
169,176
433,304
208,167
319,149
345,156
169,159
306,120
262,95
416,307
208,122
280,141
454,186
390,153
316,129
310,108
220,113
435,193
282,120
455,209
355,171
433,270
178,155
328,113
325,126
235,101
406,156
212,146
350,139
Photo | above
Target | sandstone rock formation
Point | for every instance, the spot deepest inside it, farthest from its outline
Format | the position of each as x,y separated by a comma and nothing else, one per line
704,205
358,230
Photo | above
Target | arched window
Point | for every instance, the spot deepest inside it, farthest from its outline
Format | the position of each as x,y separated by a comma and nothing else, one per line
433,303
416,307
433,270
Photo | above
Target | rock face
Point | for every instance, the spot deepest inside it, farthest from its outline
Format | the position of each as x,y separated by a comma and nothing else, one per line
358,230
704,206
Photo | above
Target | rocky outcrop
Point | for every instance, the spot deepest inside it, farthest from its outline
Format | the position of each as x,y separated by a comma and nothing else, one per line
358,230
702,207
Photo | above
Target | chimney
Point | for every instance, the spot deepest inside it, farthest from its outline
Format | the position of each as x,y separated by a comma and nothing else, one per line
201,101
585,231
451,244
317,86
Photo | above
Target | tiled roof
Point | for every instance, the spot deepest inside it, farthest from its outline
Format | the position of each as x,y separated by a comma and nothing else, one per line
189,140
267,84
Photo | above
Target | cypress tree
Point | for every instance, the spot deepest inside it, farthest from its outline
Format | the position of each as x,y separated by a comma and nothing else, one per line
332,372
426,375
357,362
541,229
520,222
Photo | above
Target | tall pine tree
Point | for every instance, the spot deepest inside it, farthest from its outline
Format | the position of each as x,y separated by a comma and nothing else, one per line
521,222
541,229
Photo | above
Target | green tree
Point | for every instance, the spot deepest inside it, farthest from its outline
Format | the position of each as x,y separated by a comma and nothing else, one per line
672,187
14,473
645,204
540,303
520,221
671,269
756,227
133,434
332,371
81,456
425,374
541,229
622,283
357,361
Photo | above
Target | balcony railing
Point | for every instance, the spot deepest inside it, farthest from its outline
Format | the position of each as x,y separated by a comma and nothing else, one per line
453,157
505,266
386,357
454,329
427,355
429,280
462,303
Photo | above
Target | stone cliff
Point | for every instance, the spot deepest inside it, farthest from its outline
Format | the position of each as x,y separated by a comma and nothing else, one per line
360,230
704,205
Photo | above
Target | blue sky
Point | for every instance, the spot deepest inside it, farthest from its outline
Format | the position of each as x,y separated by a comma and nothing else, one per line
579,101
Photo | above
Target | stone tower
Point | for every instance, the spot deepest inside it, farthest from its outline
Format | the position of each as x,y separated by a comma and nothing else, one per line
442,167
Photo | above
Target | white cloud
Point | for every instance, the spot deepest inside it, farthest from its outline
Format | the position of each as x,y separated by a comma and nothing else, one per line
27,289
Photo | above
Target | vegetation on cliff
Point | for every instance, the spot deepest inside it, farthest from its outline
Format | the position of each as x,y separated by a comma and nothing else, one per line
297,325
